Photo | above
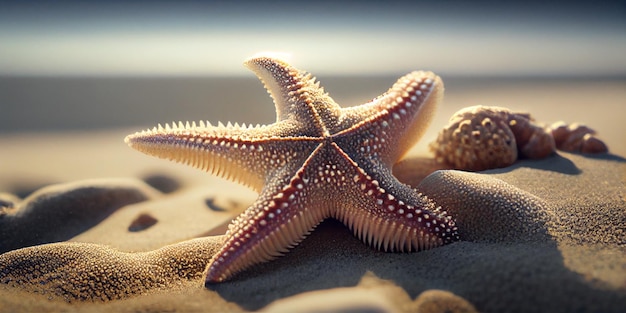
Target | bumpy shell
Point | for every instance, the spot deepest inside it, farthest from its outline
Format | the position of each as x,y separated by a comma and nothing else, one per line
577,138
479,137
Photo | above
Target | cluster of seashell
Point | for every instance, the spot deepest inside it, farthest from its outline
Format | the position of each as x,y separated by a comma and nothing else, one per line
480,137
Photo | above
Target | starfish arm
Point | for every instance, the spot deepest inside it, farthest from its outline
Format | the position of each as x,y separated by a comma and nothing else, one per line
247,155
389,215
397,119
297,95
280,218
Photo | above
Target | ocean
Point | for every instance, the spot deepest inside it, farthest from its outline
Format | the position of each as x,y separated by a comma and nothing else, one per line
48,104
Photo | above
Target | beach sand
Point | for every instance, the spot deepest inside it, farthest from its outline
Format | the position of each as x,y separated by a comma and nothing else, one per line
104,228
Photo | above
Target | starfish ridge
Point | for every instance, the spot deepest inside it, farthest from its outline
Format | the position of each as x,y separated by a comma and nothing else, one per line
316,161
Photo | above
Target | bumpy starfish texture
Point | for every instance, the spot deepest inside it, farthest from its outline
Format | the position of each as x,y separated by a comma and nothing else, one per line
316,161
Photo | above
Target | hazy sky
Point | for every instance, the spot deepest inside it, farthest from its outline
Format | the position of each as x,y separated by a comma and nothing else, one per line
196,38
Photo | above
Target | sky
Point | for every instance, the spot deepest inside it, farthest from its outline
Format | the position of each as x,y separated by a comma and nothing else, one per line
189,38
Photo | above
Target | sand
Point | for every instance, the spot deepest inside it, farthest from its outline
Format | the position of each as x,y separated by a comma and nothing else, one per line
113,230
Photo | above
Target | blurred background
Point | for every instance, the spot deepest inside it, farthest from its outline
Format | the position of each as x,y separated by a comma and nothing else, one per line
199,38
77,76
75,65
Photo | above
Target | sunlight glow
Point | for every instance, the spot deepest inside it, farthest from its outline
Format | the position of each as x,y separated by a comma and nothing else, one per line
377,42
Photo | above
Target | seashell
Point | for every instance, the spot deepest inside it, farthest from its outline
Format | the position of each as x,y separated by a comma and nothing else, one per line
480,137
576,138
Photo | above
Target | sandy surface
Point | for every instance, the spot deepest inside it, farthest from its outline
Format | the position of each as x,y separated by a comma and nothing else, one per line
132,229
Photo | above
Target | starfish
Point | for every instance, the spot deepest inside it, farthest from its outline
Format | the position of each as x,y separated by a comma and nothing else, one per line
316,161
